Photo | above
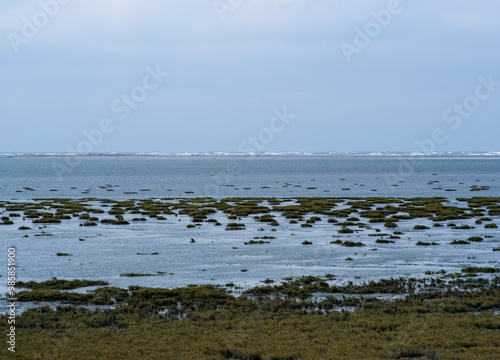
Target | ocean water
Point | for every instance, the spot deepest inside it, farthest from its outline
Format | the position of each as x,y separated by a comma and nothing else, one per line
250,176
219,256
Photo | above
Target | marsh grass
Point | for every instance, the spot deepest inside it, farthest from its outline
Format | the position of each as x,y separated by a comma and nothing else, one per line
137,275
383,241
235,226
348,243
60,284
257,242
424,243
475,239
420,227
459,242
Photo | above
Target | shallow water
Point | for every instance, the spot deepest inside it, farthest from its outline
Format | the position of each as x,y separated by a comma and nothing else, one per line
229,176
219,256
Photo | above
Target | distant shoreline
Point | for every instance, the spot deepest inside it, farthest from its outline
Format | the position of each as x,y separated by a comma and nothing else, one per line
278,154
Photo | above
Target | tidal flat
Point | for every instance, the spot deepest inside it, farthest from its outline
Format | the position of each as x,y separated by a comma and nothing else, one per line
257,278
209,241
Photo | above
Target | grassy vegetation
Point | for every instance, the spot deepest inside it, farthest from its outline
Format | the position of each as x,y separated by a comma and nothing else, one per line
137,275
347,243
235,226
59,284
474,269
460,242
260,336
254,242
420,227
424,243
476,239
386,210
268,322
384,241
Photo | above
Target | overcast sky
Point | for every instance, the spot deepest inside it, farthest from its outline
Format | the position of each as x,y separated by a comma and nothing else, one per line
249,75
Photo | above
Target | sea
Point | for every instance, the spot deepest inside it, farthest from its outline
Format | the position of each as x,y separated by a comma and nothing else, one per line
134,176
221,257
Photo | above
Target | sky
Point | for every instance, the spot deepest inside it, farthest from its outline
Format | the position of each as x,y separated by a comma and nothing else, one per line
249,76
